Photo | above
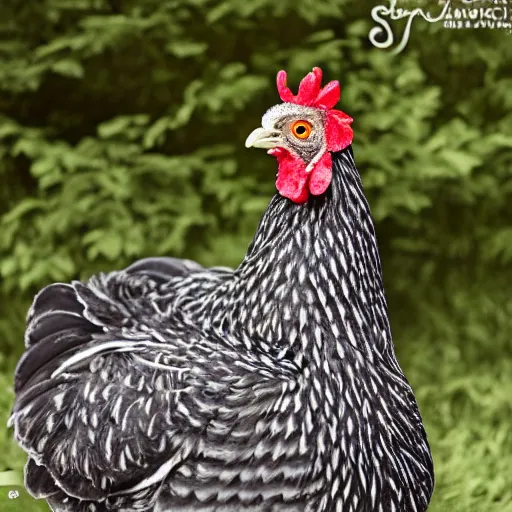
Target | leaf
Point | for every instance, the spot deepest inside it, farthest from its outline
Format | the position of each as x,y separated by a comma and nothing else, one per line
68,67
110,245
462,161
120,124
321,36
8,128
255,205
155,133
183,49
28,205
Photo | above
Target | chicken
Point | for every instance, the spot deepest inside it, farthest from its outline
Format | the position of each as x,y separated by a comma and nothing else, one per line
271,388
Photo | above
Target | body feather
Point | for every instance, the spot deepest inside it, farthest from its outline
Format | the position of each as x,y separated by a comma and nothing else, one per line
270,388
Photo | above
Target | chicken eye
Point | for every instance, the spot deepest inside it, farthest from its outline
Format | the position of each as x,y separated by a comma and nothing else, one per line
301,129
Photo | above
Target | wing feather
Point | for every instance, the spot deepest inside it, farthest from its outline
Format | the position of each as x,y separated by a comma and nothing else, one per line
112,398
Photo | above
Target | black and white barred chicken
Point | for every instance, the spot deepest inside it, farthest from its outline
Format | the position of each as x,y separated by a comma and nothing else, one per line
271,388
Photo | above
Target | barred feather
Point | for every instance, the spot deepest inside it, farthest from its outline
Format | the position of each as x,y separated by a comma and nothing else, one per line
270,388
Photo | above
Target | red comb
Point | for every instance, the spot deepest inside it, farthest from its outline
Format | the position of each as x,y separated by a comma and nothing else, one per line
310,92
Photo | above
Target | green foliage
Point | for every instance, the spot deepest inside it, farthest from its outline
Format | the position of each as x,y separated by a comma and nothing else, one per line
122,125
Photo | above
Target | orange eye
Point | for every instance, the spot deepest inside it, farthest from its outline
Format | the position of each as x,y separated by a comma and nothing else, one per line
301,129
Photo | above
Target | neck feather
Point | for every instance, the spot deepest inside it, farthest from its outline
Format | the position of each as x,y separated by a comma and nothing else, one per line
316,265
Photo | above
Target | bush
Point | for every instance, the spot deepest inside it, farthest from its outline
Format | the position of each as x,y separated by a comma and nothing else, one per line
121,136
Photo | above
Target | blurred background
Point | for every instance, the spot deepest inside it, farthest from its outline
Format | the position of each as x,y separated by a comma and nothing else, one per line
122,125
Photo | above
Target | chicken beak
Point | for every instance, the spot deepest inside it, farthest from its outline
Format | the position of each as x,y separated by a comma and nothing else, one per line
261,138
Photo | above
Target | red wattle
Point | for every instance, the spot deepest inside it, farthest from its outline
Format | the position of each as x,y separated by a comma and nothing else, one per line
292,176
321,175
294,182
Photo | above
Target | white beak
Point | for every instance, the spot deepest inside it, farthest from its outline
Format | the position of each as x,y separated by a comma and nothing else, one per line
261,138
